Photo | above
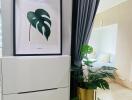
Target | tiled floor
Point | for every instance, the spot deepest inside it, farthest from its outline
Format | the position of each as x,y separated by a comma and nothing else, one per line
117,92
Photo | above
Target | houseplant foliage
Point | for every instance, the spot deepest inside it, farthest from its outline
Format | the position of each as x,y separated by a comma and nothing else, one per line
40,20
90,78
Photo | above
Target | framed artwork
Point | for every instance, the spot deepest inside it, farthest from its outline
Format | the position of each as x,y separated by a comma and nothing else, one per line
37,27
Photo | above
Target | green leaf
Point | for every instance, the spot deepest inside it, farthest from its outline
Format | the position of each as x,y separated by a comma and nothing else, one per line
75,98
101,75
92,85
102,84
88,63
108,68
86,49
40,19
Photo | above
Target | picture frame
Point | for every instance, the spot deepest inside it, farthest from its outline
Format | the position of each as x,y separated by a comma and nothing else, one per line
37,27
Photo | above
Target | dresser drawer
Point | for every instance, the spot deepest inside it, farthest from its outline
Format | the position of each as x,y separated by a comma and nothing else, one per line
21,74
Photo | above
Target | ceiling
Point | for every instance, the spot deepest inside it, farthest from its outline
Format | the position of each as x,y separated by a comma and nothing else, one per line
107,4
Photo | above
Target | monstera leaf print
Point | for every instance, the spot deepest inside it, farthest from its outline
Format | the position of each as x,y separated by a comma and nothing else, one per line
40,20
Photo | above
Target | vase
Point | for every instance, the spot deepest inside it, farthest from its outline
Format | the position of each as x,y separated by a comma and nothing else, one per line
86,94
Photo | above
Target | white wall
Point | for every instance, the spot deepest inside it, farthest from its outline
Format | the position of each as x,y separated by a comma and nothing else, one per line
7,15
107,4
122,16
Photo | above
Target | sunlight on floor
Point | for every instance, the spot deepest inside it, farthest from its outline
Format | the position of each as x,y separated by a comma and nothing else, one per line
116,92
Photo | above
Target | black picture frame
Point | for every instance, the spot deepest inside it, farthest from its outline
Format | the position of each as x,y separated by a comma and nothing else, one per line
34,54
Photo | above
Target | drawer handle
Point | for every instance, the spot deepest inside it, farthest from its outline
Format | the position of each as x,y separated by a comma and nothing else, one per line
37,91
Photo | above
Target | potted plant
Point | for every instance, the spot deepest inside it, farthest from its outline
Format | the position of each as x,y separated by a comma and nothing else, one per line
90,78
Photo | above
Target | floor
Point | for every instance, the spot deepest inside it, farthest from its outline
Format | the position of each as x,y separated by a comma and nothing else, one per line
116,92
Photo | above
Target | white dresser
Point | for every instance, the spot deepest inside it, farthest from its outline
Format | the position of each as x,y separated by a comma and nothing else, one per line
36,78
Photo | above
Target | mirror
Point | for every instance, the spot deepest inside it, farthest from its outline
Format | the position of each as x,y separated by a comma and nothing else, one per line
111,38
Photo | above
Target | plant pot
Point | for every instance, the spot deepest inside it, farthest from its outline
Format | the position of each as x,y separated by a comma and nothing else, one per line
86,94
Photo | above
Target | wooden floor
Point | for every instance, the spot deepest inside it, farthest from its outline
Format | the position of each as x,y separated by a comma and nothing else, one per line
116,92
